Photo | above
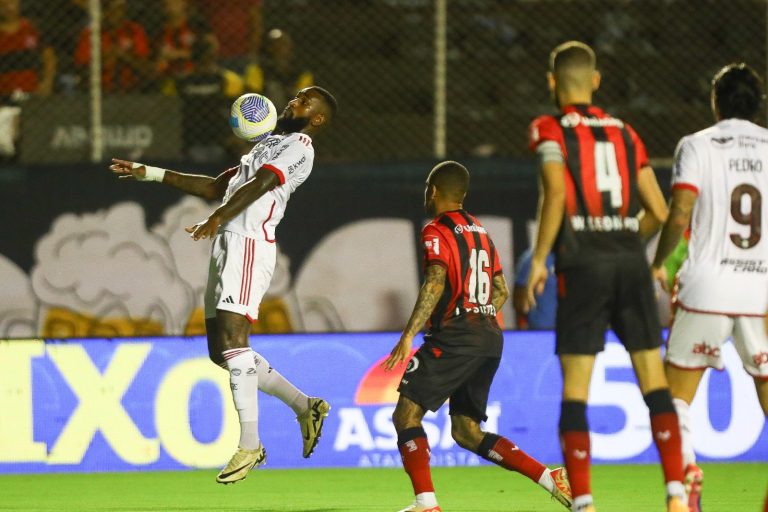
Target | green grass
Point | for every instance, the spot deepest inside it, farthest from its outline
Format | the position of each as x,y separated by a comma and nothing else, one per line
728,488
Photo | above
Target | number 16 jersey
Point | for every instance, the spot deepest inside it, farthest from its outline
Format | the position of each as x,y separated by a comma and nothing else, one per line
464,319
726,271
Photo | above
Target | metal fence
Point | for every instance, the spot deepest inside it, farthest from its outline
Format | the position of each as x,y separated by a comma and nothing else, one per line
414,78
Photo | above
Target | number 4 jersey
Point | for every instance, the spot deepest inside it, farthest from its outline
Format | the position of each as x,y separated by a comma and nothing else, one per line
727,267
602,156
464,320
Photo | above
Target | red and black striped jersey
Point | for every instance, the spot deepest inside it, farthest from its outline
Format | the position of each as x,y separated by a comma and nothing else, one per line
602,156
19,59
464,320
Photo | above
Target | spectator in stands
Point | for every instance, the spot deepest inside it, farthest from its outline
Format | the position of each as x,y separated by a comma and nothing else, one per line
181,29
61,21
238,27
542,315
27,63
279,77
124,51
207,93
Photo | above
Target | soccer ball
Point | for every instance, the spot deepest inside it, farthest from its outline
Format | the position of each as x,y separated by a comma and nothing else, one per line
252,117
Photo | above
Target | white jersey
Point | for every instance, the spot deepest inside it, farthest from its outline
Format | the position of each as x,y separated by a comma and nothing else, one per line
727,267
290,157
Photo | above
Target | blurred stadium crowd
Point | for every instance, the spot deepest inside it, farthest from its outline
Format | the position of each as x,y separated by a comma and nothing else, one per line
378,56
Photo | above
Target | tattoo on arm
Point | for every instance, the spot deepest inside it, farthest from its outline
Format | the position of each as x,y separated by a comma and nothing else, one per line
429,294
500,292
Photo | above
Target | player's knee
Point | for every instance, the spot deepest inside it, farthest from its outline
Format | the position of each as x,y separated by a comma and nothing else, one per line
466,434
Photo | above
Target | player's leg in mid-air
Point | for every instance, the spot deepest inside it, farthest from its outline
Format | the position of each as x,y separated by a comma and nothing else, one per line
232,332
233,294
310,411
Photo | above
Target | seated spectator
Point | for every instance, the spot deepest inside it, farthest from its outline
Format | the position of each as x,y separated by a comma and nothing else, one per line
124,51
180,31
27,64
279,77
542,316
207,94
238,27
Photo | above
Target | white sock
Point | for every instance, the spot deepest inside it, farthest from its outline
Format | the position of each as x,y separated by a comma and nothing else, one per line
274,384
581,502
676,489
686,437
546,481
426,499
244,382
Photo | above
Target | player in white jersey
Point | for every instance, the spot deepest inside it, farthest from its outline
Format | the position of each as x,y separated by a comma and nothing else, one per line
254,197
720,176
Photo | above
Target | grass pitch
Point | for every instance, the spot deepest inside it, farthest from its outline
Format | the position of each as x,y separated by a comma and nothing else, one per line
727,488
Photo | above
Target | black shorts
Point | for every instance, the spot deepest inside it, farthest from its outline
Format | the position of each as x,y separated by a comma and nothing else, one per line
433,376
615,292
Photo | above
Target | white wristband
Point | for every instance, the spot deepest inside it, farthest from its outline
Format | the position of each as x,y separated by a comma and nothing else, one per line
151,173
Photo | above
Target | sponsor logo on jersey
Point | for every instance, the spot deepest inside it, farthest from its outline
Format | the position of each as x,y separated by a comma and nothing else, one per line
296,166
745,266
472,228
574,119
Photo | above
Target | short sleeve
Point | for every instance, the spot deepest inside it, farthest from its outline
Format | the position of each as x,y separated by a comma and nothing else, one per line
292,162
641,154
685,168
435,247
543,128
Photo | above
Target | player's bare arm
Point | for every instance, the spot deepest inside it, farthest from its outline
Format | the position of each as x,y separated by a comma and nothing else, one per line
194,184
500,292
250,191
550,217
680,212
654,205
429,294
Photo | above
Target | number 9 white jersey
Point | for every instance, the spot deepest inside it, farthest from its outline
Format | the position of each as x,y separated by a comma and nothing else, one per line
727,267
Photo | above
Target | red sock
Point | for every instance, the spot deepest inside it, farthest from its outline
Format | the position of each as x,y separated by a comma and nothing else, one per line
576,450
506,454
666,435
414,450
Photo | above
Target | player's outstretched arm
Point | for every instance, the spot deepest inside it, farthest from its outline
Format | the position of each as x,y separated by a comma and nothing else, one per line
429,294
655,208
193,184
500,292
264,181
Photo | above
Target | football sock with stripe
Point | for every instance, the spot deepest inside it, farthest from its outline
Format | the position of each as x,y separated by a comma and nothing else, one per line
505,453
244,383
274,384
574,438
414,450
686,437
666,434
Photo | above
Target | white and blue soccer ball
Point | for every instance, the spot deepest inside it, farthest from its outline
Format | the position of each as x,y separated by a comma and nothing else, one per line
252,117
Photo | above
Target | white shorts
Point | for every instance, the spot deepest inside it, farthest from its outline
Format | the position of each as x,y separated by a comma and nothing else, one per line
695,341
239,274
